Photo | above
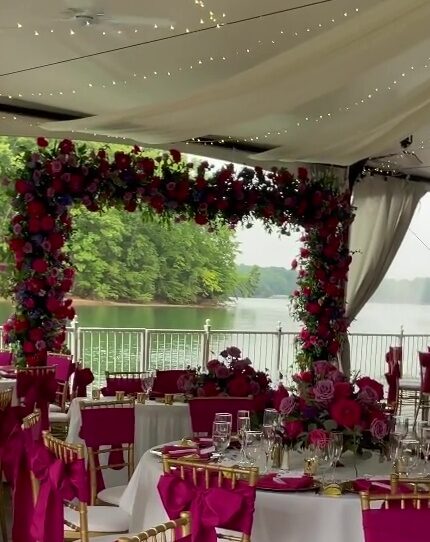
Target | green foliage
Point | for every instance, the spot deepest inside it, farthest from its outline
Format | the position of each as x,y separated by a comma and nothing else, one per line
268,281
126,256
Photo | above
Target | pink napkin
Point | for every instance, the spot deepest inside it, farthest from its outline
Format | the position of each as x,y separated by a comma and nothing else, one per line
271,481
9,371
377,486
181,451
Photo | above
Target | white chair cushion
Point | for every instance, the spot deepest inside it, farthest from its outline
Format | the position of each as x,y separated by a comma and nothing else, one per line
102,519
54,408
111,495
58,417
410,383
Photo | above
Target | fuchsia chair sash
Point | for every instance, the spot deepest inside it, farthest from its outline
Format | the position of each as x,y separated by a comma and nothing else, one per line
216,507
5,358
203,410
395,525
167,381
129,385
424,359
110,426
64,366
37,390
83,377
59,481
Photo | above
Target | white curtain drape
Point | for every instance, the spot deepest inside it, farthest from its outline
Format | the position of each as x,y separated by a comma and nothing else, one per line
384,210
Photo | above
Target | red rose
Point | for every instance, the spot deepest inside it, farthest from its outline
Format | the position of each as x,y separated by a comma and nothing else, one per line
47,223
28,347
210,389
36,334
239,386
75,183
22,187
39,265
34,225
346,413
305,376
342,390
56,240
201,219
367,382
66,285
176,155
57,185
278,395
66,146
294,264
52,304
293,429
302,173
69,272
16,244
42,142
318,437
20,325
313,308
35,208
122,160
29,303
333,347
304,253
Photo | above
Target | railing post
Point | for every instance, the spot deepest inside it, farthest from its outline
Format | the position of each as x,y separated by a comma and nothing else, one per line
75,342
278,350
206,343
146,352
142,359
402,332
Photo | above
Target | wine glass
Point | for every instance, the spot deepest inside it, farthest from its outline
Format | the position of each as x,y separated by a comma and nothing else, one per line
221,434
269,434
243,414
409,455
335,449
270,416
324,454
148,383
400,426
224,417
425,448
243,425
253,446
420,427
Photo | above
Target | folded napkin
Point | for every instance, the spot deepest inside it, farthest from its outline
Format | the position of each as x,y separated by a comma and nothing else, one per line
273,481
377,486
182,451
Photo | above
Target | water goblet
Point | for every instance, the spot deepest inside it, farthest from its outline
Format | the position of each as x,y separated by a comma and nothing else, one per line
243,425
270,416
95,394
243,414
269,434
224,417
408,455
400,426
221,434
148,383
335,448
253,446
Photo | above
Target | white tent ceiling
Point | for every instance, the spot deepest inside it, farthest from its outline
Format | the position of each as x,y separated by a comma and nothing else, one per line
333,82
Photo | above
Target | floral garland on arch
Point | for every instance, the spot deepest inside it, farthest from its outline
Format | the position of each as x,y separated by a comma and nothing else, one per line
57,176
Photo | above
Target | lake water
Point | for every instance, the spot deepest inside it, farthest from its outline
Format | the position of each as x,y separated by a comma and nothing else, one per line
246,314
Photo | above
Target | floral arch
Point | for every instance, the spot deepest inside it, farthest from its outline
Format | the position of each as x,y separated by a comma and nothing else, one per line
53,179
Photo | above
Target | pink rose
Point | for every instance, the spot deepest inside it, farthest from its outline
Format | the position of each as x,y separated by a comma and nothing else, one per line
287,405
378,429
324,390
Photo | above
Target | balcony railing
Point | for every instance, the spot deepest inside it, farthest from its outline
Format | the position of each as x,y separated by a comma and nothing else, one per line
129,349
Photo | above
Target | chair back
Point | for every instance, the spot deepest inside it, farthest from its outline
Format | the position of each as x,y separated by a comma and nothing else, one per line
6,358
32,429
73,459
108,430
63,364
130,383
424,360
167,381
408,484
6,398
215,496
401,517
161,532
203,410
37,387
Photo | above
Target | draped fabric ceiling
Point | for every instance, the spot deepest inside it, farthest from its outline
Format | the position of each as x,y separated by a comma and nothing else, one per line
334,82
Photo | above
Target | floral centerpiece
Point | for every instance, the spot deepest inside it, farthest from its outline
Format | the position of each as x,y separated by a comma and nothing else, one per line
326,400
228,375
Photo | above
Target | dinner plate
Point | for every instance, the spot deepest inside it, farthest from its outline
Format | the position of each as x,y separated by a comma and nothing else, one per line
281,489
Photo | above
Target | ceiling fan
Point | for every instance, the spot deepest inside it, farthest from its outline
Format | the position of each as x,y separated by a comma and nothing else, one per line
405,156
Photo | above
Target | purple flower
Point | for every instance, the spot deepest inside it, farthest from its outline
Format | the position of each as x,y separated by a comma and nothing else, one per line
46,245
287,405
27,248
17,229
324,390
40,345
378,429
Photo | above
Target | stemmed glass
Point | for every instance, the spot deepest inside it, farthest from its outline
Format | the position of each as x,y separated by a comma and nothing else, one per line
335,448
221,434
425,448
253,446
400,426
148,383
243,425
270,417
269,434
224,417
409,454
324,455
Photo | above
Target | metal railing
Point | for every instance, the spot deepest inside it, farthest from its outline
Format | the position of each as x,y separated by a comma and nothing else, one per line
128,349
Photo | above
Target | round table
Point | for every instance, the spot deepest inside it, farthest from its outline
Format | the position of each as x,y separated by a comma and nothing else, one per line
279,517
155,423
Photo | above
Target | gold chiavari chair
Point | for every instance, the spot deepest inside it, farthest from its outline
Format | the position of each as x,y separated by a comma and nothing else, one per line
83,521
419,484
248,475
418,500
110,495
163,533
27,424
5,402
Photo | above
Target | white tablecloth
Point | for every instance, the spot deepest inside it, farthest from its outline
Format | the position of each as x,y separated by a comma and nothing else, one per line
279,517
6,383
155,423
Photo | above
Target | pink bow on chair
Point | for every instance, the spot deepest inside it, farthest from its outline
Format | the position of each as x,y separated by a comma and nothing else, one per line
37,390
209,508
58,481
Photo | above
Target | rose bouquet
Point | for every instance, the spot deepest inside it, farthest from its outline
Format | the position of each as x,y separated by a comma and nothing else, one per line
326,400
229,375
